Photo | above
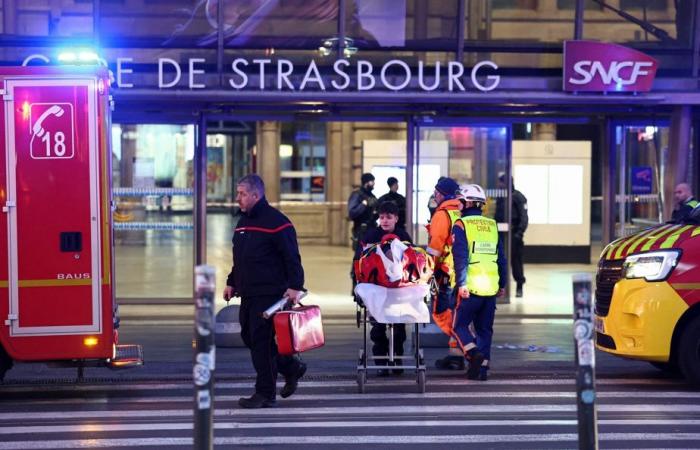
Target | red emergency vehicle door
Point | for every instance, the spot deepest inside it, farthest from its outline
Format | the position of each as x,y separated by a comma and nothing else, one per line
53,227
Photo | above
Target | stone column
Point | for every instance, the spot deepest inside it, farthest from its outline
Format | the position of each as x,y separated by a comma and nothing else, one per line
268,158
678,156
334,183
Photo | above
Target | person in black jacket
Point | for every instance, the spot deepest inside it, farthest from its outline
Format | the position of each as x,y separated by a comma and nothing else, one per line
362,209
394,196
266,267
518,225
388,219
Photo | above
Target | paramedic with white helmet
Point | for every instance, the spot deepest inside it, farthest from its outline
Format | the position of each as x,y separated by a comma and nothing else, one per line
480,272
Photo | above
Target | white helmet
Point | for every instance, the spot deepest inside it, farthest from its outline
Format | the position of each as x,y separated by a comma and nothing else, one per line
472,193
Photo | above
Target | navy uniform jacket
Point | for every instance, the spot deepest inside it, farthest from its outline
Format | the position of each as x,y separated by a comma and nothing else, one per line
266,258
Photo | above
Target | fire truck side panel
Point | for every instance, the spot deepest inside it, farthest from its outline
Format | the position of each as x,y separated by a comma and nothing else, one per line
60,272
4,277
685,278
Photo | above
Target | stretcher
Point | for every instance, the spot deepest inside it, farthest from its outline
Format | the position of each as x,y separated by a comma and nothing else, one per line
391,306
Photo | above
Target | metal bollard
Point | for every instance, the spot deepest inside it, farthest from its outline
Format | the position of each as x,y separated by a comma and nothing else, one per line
585,363
204,357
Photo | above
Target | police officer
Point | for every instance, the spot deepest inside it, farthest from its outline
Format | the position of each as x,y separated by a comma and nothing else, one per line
362,209
684,202
480,276
394,196
518,224
448,211
266,267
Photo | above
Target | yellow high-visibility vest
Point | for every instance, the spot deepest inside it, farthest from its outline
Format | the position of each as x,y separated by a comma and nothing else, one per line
482,242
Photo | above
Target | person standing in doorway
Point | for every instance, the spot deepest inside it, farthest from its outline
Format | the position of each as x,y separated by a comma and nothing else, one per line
362,209
480,276
518,225
266,267
394,196
685,202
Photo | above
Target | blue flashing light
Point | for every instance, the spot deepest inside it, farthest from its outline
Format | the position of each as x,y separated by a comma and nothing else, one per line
79,56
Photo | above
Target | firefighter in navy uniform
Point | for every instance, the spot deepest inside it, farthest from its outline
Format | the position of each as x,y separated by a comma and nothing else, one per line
266,267
388,224
480,276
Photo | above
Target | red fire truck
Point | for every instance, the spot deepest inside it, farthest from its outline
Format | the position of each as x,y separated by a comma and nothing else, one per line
57,298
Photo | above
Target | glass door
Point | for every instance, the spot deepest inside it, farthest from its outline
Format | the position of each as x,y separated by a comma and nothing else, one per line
640,156
479,154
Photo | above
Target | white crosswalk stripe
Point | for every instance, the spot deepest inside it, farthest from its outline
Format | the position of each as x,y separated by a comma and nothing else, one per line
502,413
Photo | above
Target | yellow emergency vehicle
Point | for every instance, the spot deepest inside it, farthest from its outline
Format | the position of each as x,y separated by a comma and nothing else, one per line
647,303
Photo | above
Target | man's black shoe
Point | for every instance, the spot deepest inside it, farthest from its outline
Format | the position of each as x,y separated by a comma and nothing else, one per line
291,383
519,291
256,401
475,361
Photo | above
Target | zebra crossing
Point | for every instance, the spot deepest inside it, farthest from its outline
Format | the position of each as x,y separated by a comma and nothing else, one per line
503,413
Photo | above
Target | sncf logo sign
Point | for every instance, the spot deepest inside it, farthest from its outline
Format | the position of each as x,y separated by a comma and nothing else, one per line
599,67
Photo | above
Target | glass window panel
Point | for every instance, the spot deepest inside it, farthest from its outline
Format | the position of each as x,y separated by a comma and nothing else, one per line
158,22
56,18
571,4
675,24
153,170
302,155
284,23
658,5
411,24
520,22
514,4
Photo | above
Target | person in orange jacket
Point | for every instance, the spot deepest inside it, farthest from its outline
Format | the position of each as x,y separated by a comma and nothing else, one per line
448,211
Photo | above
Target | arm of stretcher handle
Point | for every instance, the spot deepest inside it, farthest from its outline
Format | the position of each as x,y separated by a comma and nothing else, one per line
278,306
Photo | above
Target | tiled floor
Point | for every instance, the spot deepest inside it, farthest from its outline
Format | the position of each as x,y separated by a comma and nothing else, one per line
163,269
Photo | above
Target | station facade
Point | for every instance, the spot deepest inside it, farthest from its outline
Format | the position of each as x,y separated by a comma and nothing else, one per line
590,107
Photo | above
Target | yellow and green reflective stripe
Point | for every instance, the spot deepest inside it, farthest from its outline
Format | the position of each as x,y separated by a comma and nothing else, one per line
612,246
668,243
695,232
643,235
655,238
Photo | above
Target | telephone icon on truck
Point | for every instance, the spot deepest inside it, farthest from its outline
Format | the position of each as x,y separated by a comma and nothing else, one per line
55,110
52,132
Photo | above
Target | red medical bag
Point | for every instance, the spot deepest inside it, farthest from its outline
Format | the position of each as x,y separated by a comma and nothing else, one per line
298,329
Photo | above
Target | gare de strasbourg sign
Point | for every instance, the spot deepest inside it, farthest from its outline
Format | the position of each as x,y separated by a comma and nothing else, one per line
589,66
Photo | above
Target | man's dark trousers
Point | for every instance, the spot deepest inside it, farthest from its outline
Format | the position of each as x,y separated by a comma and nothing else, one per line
516,258
259,336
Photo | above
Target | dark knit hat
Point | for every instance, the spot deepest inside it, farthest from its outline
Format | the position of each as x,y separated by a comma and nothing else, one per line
366,178
447,187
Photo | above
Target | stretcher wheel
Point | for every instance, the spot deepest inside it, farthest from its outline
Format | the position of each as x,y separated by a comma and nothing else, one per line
361,380
421,381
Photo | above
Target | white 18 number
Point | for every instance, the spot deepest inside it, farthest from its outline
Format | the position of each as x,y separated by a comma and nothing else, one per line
59,147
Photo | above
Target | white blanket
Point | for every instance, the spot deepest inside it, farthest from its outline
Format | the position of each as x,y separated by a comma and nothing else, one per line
395,305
